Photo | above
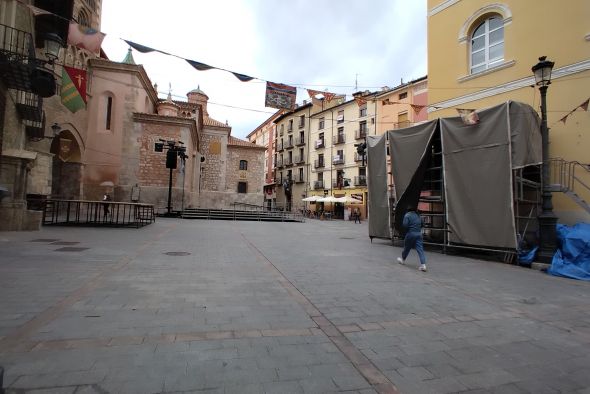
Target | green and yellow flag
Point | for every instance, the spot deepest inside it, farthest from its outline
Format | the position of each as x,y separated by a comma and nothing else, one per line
73,88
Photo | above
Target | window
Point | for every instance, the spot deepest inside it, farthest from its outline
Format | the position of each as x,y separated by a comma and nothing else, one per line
109,113
322,122
487,45
340,117
402,120
243,165
242,187
301,121
290,128
363,127
321,159
320,176
363,111
301,174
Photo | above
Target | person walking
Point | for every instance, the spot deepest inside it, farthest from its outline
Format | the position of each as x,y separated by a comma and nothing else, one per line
413,240
357,215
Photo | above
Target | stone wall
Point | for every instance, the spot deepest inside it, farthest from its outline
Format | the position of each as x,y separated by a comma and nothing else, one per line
253,176
214,147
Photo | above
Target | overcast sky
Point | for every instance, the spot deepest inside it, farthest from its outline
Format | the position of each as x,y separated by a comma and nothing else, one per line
311,44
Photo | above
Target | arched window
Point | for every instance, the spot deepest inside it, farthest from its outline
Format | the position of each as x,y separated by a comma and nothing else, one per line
487,44
243,165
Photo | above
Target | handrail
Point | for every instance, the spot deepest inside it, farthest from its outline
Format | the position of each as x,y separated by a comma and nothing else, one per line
563,174
97,213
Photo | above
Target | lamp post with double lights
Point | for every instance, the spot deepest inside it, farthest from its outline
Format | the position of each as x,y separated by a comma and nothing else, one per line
547,219
175,149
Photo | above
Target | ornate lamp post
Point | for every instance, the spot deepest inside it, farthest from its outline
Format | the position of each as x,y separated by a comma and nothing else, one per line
547,219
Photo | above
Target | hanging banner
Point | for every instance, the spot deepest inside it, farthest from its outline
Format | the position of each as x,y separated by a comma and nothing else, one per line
73,88
279,95
65,149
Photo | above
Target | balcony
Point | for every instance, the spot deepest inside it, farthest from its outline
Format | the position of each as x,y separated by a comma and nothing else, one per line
318,185
300,159
358,157
360,180
280,163
300,179
320,144
338,160
301,124
288,161
289,144
17,58
339,139
300,141
318,164
360,134
280,147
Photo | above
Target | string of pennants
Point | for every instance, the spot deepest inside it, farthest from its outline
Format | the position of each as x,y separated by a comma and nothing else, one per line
584,106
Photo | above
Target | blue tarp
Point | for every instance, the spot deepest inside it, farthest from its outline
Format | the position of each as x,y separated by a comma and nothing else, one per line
572,259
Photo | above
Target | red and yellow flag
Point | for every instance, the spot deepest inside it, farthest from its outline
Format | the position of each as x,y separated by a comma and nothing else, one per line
73,88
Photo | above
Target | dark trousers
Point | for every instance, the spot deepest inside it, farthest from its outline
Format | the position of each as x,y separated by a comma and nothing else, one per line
413,240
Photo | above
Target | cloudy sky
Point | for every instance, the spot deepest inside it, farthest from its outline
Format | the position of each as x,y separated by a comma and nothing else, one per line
311,44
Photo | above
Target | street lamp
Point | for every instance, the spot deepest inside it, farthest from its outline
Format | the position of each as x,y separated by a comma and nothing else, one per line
174,151
547,219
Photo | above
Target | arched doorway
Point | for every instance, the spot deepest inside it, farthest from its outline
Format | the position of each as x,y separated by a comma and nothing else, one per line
67,167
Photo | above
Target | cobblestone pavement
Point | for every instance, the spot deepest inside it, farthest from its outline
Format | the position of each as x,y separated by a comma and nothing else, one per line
248,307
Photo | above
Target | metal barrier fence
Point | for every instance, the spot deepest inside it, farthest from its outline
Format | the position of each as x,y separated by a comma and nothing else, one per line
97,213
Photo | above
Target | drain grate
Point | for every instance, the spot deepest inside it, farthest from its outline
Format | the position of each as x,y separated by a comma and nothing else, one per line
177,253
44,240
70,249
65,243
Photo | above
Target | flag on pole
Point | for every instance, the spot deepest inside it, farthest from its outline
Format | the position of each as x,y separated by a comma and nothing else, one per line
279,95
73,88
85,37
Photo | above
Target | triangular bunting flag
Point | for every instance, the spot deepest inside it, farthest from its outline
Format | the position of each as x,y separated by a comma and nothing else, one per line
85,37
563,119
468,116
360,101
199,66
417,108
312,93
242,77
140,48
329,96
73,88
38,11
584,105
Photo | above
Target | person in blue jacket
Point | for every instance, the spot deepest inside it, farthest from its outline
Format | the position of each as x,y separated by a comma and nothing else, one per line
413,240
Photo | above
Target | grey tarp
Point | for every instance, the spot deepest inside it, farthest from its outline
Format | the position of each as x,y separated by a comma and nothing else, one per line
524,135
377,186
408,148
478,179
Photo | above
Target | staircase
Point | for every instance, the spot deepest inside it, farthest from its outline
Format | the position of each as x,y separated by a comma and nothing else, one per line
244,215
572,178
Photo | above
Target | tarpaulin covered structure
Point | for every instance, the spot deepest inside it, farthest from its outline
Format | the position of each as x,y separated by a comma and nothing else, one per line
464,175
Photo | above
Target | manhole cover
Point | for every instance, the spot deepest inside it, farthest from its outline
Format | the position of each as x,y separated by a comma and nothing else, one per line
65,243
44,240
70,249
177,253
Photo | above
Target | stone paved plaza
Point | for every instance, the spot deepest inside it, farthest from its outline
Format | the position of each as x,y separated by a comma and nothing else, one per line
248,307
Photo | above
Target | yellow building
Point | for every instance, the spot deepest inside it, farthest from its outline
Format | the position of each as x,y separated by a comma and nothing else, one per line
480,53
336,169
